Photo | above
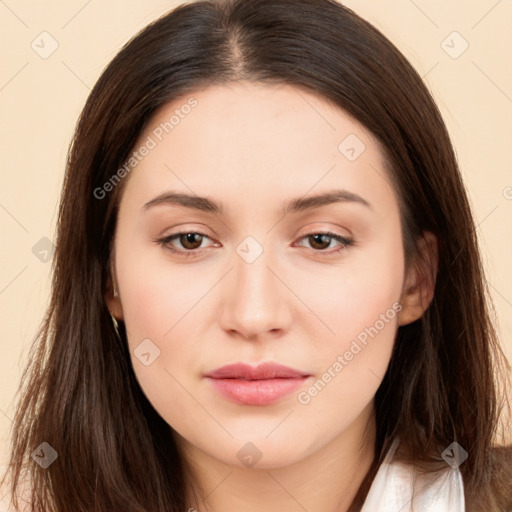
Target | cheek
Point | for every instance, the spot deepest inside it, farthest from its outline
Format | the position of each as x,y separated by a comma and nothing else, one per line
353,295
158,305
156,293
359,302
351,364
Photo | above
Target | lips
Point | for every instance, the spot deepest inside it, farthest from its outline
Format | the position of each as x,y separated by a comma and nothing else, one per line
260,385
260,372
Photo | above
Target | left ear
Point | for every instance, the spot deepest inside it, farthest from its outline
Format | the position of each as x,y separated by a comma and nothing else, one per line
419,283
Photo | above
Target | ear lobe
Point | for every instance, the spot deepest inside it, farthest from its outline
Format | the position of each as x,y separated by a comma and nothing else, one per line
112,297
419,285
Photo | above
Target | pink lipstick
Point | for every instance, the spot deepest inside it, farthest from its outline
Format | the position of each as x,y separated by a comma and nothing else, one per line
260,385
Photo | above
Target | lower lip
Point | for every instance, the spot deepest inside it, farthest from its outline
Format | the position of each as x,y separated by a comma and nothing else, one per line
256,392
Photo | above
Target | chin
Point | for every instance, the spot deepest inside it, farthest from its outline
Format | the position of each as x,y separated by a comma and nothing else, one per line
261,452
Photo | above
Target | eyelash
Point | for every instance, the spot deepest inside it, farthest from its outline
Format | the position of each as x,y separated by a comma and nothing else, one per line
345,242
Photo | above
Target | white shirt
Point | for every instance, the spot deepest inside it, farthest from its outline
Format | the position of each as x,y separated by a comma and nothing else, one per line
393,489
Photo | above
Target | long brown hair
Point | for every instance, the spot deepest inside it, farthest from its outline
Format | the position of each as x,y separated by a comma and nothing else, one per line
79,393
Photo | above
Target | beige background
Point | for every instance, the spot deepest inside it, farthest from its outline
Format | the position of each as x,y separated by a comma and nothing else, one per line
41,98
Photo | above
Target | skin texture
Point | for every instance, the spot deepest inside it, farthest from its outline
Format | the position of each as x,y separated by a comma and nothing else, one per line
253,148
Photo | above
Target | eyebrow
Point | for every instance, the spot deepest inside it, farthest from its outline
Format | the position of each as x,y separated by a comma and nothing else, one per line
294,206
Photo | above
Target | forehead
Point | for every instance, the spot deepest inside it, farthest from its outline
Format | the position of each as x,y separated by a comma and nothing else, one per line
254,141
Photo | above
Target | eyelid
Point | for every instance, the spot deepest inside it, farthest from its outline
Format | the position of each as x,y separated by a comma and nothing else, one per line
318,228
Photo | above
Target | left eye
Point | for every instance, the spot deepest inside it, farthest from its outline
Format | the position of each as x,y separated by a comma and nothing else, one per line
320,239
191,241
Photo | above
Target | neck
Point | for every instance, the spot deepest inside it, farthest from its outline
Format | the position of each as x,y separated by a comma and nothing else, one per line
326,480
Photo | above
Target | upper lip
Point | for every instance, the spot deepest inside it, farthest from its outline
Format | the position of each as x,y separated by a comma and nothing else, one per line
259,372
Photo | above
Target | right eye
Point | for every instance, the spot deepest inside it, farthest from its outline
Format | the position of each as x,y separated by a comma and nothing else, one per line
186,239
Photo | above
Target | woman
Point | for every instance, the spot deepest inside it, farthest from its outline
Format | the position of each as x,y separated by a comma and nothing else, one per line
327,343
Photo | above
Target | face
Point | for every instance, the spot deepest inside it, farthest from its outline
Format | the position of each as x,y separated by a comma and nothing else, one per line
259,272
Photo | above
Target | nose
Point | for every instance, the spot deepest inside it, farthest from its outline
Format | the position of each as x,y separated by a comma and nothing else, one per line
257,303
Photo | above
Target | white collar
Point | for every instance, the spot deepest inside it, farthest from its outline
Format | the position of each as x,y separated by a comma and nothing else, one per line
393,489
